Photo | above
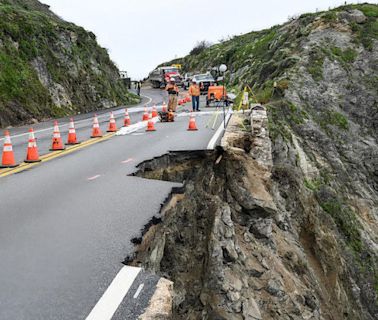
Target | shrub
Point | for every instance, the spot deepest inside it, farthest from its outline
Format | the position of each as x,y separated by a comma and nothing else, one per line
200,47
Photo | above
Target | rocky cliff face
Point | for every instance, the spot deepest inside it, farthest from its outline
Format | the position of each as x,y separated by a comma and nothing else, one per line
51,68
285,224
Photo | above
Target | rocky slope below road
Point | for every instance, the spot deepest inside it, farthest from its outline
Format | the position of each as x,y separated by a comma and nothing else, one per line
285,226
51,68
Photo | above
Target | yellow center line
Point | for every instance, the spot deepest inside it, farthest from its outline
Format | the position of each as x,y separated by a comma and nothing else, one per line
53,155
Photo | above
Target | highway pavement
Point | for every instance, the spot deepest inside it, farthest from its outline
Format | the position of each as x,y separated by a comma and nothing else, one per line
66,224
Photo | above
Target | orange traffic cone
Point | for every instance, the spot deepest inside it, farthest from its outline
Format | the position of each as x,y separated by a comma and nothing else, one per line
32,153
7,160
57,143
127,120
150,124
154,112
192,123
96,131
72,139
112,124
164,107
145,115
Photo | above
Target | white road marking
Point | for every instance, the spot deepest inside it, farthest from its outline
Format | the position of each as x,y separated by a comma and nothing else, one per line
218,133
128,160
94,177
137,293
114,294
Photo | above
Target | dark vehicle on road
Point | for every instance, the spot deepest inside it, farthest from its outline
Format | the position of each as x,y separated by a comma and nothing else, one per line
187,80
161,76
204,81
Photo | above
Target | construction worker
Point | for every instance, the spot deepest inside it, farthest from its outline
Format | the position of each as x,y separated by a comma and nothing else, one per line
194,92
173,92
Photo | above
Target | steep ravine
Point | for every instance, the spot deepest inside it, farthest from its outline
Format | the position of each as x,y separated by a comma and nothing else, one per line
246,239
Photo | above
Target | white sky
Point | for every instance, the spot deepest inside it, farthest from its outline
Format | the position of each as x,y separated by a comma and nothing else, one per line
141,34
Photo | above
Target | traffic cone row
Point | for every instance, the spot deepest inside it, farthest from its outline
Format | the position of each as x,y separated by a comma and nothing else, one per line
32,155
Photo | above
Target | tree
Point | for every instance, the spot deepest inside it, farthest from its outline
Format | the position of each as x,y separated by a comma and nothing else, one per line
200,47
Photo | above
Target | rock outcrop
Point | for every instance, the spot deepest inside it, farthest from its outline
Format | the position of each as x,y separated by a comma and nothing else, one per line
51,68
283,223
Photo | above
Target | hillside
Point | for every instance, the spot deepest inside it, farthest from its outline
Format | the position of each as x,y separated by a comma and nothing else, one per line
289,231
51,68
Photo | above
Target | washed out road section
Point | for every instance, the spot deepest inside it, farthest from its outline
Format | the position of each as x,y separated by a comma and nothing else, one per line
63,235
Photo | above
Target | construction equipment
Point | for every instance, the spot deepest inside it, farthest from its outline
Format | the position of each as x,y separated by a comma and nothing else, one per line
161,76
217,95
166,116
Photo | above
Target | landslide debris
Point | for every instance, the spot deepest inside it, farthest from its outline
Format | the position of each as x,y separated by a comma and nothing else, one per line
246,238
323,126
50,67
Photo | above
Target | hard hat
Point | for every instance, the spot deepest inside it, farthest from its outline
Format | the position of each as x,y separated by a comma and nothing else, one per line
173,80
194,80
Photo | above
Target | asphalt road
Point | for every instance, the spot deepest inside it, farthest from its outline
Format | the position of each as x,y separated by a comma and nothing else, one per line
83,125
66,225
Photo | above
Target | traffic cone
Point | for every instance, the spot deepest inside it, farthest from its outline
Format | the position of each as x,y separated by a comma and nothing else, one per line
150,124
57,143
164,107
112,124
145,115
127,120
192,123
188,99
7,160
154,112
72,139
32,153
180,102
96,131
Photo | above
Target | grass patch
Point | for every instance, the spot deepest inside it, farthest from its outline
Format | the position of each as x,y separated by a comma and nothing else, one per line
346,222
347,56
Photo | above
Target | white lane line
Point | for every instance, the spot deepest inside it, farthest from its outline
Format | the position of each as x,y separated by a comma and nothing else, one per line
149,98
137,293
94,177
128,160
114,294
218,133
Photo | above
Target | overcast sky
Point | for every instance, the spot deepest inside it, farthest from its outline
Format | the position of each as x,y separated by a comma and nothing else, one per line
141,34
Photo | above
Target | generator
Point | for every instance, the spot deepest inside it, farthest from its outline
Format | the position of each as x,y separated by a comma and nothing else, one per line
168,116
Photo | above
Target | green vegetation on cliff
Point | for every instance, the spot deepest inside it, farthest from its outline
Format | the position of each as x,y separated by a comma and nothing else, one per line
51,68
323,117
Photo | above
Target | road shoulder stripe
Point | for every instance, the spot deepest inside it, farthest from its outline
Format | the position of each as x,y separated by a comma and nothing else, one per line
114,294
